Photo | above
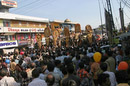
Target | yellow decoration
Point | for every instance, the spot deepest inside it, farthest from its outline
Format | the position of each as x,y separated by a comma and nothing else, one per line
97,57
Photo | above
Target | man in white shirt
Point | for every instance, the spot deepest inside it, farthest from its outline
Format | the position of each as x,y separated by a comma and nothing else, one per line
7,81
37,81
112,77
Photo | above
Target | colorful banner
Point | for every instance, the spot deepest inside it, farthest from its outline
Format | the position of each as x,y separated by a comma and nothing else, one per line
8,3
7,44
21,30
23,42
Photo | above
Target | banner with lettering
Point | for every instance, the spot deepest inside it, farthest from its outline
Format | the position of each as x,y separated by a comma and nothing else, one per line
21,30
7,44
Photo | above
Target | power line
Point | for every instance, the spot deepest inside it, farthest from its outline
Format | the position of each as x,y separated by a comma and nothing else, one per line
38,6
103,4
115,13
26,5
127,16
126,3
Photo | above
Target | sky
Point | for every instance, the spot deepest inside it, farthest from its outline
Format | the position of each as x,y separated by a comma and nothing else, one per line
82,11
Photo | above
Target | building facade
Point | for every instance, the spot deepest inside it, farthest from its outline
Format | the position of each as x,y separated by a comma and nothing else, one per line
23,29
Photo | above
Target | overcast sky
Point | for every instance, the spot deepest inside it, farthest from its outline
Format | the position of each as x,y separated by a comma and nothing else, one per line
82,11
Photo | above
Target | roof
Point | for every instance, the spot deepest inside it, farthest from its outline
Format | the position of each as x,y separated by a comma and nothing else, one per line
11,16
60,21
124,35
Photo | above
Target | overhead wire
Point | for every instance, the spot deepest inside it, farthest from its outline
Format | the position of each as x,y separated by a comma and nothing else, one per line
38,6
26,5
123,8
115,14
126,3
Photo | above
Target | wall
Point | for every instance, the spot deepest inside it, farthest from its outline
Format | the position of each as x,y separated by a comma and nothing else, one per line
26,24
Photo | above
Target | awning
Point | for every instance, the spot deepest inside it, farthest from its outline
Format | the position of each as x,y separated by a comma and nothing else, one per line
8,33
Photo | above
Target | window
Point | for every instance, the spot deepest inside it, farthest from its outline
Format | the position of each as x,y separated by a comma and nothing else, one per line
40,25
20,23
27,23
6,23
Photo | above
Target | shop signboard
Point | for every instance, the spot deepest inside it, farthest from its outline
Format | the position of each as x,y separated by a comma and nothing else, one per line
8,44
21,30
8,3
23,42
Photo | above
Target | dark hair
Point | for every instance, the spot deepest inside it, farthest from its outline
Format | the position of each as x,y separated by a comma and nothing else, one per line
57,62
104,58
24,74
122,76
64,70
103,66
70,69
50,66
81,65
33,65
35,73
3,72
68,61
102,78
20,62
50,79
109,53
39,69
77,57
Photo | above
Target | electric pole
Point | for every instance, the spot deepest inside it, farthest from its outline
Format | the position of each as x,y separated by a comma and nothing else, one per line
122,18
109,21
100,18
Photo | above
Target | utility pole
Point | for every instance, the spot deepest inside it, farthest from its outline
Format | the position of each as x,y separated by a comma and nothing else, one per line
101,18
109,21
122,18
110,12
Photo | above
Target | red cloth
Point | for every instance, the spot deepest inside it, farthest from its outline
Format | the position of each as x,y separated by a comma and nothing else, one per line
123,65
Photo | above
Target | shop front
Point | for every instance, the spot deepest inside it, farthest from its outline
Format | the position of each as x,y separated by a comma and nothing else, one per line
25,36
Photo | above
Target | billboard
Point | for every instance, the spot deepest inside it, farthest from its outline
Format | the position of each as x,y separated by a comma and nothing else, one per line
8,3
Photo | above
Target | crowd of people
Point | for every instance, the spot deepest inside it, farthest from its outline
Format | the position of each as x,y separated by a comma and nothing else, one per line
65,66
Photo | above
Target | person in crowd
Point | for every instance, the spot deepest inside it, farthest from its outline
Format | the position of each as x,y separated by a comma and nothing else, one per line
71,79
95,70
18,70
90,53
27,59
64,72
81,72
25,80
12,68
41,75
57,68
50,68
122,78
29,73
111,62
112,77
37,81
118,57
103,80
76,61
7,81
50,80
